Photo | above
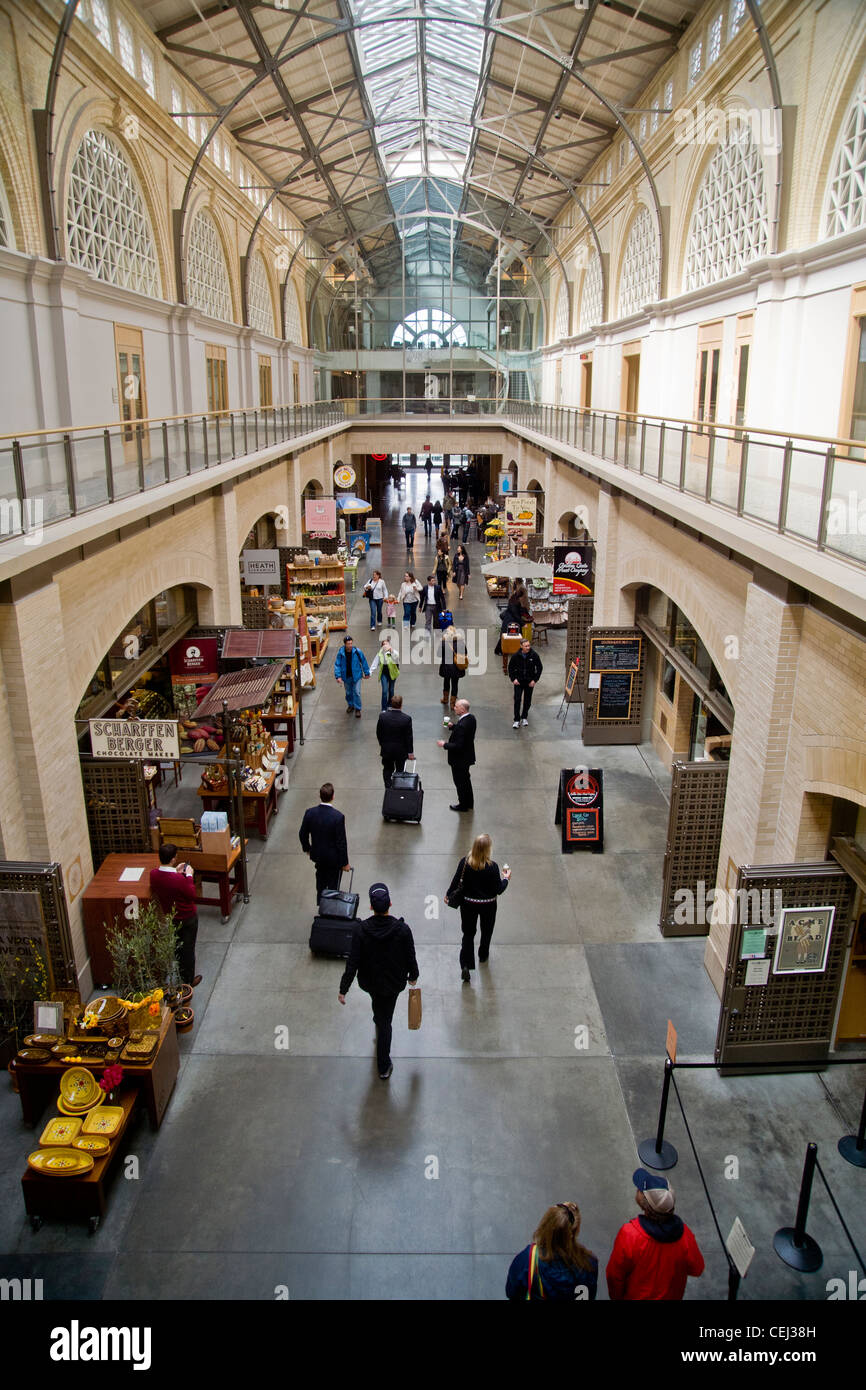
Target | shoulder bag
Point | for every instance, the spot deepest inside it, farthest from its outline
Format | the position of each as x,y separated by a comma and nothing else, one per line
456,898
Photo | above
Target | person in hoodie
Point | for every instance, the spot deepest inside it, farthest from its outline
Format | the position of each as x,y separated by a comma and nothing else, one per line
555,1266
654,1253
382,955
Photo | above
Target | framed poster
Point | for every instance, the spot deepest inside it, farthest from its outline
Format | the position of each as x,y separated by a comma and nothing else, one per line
803,940
614,695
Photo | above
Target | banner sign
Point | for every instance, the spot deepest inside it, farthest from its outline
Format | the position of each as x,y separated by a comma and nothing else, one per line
320,516
261,566
520,513
580,809
194,661
134,738
572,570
344,476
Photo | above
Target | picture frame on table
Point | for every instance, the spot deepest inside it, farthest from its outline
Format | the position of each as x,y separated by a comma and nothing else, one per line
48,1017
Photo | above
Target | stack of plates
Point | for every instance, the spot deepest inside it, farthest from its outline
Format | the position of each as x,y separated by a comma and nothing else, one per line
79,1092
61,1163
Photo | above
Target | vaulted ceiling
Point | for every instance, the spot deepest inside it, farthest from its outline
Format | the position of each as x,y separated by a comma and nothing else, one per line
416,137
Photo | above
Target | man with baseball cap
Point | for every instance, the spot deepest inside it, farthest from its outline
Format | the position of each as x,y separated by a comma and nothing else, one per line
655,1252
382,955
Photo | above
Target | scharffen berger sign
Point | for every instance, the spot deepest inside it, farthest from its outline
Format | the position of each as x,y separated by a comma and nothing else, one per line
138,738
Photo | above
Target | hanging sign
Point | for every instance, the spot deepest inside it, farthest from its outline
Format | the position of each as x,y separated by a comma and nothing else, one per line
344,476
572,570
194,660
380,458
134,738
580,809
504,484
261,566
320,516
521,513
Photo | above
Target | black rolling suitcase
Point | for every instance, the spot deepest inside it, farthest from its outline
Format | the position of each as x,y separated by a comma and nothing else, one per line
339,905
404,799
331,937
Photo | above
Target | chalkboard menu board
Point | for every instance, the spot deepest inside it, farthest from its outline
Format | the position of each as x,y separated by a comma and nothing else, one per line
614,695
614,653
580,809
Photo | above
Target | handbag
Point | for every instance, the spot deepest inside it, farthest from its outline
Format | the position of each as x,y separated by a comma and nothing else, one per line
456,898
461,659
534,1273
414,1006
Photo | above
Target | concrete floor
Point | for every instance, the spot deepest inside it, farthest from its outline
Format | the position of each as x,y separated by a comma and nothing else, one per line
301,1168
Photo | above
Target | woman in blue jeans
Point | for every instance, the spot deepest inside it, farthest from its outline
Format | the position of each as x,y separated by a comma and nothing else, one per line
409,596
376,591
386,666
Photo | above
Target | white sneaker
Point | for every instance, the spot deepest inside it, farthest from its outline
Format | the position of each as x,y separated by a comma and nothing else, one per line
516,724
524,723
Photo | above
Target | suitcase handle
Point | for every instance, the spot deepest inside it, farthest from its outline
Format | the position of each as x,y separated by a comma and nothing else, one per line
414,762
351,876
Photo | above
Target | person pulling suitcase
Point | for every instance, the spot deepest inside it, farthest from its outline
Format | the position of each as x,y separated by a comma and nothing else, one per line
383,958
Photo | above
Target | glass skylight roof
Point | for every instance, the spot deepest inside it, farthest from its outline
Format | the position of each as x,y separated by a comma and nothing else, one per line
421,71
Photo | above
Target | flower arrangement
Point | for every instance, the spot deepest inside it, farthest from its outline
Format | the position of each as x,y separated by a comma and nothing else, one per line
111,1078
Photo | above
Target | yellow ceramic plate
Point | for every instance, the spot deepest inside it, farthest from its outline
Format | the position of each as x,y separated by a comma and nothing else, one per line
105,1120
42,1040
61,1163
78,1087
60,1132
79,1110
95,1144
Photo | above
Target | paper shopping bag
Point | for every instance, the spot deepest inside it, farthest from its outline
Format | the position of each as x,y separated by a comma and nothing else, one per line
415,1008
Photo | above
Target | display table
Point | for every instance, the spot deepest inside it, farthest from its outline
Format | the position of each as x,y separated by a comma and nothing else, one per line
154,1078
281,724
77,1199
105,897
258,806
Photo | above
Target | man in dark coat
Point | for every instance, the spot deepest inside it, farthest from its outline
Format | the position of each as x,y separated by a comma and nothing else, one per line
323,838
461,754
382,955
394,732
524,672
426,515
432,600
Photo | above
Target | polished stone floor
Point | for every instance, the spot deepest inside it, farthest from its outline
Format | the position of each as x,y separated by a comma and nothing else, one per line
299,1167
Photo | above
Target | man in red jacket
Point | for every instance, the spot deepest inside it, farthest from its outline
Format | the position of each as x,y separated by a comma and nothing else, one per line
171,885
654,1253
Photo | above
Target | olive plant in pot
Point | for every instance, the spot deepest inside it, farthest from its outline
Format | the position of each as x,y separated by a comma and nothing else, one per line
143,955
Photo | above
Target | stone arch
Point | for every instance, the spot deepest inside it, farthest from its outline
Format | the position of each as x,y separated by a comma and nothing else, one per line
835,767
678,585
206,201
100,114
832,117
139,588
17,172
615,288
569,526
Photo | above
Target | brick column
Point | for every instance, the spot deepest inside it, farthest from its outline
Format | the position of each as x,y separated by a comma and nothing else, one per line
759,827
610,608
227,548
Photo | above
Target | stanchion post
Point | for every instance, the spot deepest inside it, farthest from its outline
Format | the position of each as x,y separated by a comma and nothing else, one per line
852,1147
658,1153
791,1243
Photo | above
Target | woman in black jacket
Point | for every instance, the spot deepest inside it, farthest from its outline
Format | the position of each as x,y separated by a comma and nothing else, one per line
437,514
480,883
453,665
461,569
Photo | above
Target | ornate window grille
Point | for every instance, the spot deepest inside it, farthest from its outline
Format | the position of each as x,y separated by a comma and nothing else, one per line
845,200
108,229
294,332
638,283
207,277
562,313
590,299
730,225
260,304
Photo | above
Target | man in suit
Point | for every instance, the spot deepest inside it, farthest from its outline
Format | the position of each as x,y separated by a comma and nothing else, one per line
461,754
323,838
432,601
394,732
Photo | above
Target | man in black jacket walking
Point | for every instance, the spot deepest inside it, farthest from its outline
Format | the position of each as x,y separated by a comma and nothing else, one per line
394,732
524,670
382,955
323,838
461,754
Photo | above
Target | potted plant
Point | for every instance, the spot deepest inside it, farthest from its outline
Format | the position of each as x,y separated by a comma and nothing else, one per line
144,961
23,979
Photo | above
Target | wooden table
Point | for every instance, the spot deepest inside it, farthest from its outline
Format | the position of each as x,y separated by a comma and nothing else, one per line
154,1078
104,899
281,724
258,806
84,1198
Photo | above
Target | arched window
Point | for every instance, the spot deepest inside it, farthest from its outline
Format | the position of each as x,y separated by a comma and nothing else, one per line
562,312
7,234
429,328
294,332
207,277
260,304
845,201
638,281
729,226
590,300
107,227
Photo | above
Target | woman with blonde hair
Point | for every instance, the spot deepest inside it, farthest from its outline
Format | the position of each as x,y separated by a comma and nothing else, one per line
454,664
555,1266
475,887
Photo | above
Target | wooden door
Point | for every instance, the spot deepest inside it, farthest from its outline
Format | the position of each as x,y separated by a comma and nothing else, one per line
131,395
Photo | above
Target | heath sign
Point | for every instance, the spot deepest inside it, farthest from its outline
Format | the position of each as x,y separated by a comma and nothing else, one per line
134,738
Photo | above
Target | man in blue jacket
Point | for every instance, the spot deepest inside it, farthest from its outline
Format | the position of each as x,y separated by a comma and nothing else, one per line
350,669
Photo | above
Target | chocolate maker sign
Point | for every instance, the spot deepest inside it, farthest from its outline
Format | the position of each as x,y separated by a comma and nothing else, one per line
580,809
134,738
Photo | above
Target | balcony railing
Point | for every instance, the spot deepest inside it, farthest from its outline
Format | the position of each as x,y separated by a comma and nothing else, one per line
49,475
804,486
